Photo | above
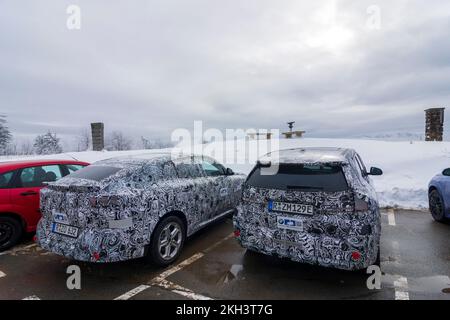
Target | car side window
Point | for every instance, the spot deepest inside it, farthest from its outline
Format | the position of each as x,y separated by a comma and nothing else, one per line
188,167
361,166
71,168
5,179
212,169
33,177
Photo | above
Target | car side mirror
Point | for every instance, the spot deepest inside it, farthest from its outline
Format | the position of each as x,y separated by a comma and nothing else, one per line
229,172
374,171
446,172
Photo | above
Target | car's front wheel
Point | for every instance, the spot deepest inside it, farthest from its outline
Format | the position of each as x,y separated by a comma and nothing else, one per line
167,241
437,207
10,232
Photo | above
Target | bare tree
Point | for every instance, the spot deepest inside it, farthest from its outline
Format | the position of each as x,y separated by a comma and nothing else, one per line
155,144
117,141
84,140
26,148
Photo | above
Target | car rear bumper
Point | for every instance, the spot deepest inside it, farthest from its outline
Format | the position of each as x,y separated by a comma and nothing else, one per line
92,245
353,251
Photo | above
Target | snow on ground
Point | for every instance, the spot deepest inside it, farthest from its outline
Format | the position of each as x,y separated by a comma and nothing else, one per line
408,166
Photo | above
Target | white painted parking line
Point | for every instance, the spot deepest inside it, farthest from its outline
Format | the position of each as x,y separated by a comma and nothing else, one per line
17,249
161,277
132,293
401,289
391,217
33,297
175,288
2,274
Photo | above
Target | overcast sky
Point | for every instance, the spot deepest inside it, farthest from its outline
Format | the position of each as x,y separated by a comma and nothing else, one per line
148,67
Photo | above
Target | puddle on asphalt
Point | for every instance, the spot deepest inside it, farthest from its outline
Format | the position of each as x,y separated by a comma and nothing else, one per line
232,273
430,284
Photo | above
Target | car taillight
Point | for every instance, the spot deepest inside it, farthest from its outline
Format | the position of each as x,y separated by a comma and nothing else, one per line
361,205
237,233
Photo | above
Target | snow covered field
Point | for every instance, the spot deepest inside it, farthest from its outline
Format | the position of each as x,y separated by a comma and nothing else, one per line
408,166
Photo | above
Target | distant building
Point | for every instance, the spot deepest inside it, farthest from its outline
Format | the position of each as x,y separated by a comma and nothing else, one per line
434,124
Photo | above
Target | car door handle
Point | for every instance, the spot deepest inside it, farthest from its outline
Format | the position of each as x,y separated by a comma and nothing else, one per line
28,193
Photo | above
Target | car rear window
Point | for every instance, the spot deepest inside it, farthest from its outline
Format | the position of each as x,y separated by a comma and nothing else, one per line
328,178
96,173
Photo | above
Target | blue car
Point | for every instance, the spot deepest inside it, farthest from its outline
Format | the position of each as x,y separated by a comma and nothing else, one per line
439,196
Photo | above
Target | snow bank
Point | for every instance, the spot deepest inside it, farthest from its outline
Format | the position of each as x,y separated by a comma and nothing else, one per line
408,166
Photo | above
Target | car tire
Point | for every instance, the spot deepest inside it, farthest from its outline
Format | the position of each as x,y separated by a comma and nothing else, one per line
437,207
10,232
167,241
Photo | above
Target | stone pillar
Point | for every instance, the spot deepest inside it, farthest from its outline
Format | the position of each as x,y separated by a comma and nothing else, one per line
434,124
98,136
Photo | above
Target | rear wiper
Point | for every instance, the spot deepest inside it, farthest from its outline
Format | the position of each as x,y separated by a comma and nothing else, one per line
303,187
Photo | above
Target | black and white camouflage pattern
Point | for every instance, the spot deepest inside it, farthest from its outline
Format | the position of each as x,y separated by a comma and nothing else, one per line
129,205
330,235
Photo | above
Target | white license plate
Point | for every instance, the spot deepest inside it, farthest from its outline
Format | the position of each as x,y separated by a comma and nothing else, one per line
289,223
288,207
65,229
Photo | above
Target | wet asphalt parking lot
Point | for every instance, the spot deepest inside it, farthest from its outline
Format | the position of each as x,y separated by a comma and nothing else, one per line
415,261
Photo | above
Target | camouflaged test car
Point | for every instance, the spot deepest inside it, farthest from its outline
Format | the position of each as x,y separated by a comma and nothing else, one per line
319,208
131,207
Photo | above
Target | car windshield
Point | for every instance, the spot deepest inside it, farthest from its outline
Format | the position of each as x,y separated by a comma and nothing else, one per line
95,173
321,177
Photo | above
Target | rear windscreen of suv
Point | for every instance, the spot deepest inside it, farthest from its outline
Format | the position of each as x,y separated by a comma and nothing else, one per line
96,173
328,178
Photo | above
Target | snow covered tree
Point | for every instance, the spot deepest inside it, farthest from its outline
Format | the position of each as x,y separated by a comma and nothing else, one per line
117,141
5,135
47,144
84,140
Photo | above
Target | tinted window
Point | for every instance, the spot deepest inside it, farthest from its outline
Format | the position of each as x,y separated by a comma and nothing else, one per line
96,173
302,177
36,176
212,169
188,168
73,167
5,179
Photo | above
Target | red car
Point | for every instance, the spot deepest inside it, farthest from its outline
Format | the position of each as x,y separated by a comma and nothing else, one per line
20,183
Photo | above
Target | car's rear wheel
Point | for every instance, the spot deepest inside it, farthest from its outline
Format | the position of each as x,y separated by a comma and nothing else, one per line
10,232
437,207
167,241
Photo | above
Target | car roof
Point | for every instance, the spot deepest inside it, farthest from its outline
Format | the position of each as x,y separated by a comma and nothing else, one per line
310,155
143,158
17,164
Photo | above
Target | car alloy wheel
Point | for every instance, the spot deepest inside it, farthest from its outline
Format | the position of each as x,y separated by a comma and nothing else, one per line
170,240
436,205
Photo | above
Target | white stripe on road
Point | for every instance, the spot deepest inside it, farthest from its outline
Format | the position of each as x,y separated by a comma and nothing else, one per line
2,274
391,217
175,288
33,297
161,278
401,289
18,248
132,293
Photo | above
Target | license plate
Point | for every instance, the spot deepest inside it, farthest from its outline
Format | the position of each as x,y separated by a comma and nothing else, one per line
288,207
65,229
289,223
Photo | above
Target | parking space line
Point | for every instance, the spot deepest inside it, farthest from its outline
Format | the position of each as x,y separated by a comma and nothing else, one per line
401,289
133,292
33,297
17,249
182,291
2,274
161,277
391,217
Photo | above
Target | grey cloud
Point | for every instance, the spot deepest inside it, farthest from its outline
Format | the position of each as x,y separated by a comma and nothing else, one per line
148,67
